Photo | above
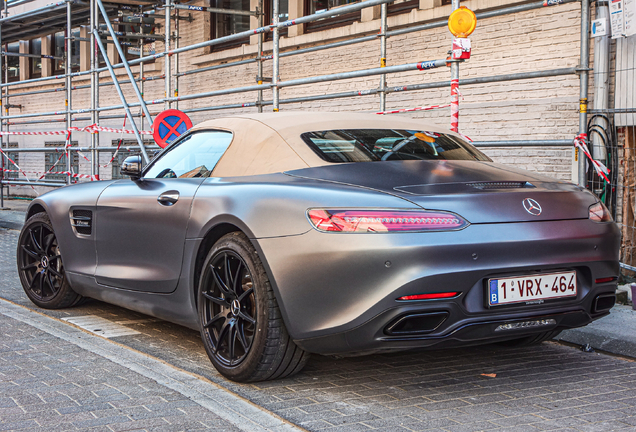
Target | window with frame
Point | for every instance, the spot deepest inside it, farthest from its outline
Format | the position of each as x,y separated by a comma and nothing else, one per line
58,51
316,6
228,24
56,160
283,15
13,62
35,63
400,7
14,156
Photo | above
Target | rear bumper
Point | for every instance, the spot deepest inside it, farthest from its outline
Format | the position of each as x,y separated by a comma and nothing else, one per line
338,292
372,337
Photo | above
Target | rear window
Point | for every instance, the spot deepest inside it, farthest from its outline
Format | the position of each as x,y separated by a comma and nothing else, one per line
368,145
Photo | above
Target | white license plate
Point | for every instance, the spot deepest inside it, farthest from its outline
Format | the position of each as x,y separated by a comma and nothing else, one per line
532,289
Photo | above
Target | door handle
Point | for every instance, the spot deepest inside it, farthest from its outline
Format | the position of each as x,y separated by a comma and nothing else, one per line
168,198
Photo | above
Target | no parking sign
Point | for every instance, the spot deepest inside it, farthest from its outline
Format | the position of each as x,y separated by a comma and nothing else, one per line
169,125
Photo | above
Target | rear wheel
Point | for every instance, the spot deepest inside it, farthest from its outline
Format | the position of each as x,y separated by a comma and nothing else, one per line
531,340
40,265
241,325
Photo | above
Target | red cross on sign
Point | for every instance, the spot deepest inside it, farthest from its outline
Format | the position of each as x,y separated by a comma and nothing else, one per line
169,125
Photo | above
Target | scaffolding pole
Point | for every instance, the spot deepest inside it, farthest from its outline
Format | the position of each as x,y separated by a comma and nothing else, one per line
122,55
383,30
259,56
121,96
454,69
427,26
579,165
69,90
168,68
276,59
396,89
94,85
176,57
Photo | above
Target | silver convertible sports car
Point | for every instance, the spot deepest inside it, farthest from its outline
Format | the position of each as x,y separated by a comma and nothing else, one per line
280,235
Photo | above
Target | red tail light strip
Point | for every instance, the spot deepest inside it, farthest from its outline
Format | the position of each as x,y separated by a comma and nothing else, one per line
431,296
606,279
383,220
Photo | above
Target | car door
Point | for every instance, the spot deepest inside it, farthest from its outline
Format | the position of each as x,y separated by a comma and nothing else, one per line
141,224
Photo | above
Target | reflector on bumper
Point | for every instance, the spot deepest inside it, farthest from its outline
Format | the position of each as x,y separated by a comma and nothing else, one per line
526,324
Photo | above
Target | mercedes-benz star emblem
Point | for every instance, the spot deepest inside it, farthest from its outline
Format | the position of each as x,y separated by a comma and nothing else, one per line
236,307
532,206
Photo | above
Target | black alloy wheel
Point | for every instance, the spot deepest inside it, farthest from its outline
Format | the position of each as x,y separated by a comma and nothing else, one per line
229,308
241,324
40,265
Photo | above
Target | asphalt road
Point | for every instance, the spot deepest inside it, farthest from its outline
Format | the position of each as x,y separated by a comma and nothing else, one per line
548,387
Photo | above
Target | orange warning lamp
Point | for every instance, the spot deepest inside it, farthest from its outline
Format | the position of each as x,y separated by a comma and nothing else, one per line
462,22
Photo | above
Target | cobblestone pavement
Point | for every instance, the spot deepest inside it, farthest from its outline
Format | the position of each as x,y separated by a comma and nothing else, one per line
548,387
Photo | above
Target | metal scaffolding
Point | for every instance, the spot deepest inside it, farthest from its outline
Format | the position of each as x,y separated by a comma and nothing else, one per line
100,15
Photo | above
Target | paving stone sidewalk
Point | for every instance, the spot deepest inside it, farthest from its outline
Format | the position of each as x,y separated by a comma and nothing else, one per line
47,384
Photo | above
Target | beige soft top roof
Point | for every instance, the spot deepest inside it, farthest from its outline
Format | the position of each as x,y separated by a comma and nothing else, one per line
270,143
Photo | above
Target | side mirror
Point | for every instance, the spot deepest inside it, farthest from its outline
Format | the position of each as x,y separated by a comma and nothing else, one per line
131,167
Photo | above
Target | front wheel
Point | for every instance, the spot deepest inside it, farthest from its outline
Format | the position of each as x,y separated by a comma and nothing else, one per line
40,265
241,325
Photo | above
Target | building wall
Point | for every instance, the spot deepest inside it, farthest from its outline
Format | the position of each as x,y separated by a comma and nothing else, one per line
538,109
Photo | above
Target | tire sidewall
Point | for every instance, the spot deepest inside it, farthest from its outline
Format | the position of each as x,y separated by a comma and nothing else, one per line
239,244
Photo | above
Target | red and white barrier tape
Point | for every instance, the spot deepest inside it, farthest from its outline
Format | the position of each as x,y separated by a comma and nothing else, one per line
68,173
422,108
67,148
91,129
601,170
455,105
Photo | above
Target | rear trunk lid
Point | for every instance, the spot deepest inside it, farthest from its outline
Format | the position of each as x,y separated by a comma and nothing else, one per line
480,192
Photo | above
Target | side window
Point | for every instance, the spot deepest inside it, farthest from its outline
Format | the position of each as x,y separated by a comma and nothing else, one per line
194,156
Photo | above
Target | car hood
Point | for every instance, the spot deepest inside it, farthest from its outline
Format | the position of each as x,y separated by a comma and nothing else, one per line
481,192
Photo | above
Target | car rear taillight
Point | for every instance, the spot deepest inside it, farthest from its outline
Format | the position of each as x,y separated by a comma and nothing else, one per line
599,213
606,279
431,296
384,220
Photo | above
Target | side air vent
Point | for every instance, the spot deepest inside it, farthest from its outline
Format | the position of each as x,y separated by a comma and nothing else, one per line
82,221
501,185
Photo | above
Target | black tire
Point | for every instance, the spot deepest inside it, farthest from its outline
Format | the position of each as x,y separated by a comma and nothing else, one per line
40,266
531,340
241,325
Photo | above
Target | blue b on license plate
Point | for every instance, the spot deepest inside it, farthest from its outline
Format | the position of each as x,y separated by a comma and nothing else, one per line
534,288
